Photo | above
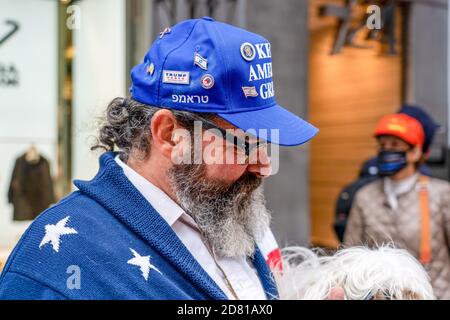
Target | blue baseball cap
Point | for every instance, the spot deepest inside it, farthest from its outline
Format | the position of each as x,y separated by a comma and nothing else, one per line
202,65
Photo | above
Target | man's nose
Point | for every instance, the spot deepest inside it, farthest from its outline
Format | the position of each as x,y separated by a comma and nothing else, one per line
259,163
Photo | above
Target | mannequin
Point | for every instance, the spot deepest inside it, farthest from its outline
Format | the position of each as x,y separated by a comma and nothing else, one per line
32,155
31,188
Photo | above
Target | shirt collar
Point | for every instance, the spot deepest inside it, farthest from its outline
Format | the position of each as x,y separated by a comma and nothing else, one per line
393,189
163,204
402,186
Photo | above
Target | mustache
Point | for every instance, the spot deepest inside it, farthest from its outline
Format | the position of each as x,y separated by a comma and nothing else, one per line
192,178
244,186
231,216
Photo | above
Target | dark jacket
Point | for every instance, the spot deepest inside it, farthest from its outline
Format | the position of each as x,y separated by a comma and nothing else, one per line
31,188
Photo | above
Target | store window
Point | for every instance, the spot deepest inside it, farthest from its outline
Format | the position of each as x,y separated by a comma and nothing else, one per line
28,113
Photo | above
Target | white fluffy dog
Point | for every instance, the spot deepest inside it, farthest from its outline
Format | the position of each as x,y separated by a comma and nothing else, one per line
381,274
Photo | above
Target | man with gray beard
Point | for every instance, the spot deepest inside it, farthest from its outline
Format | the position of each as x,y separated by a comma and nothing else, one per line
230,217
176,210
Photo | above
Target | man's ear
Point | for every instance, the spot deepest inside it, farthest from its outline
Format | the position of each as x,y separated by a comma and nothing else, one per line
162,127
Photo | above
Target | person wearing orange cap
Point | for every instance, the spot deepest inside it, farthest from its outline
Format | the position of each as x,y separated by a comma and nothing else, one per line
405,207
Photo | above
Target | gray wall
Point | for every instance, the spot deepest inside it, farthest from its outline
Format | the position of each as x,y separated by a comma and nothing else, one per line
427,68
285,26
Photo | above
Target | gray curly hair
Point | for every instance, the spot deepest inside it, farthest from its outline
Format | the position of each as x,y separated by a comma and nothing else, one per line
125,127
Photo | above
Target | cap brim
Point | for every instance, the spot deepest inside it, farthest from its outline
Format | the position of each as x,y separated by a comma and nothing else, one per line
290,130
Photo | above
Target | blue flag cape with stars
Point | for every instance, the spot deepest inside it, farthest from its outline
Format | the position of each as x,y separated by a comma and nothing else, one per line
121,247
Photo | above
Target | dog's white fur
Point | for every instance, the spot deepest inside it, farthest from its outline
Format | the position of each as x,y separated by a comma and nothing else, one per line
381,273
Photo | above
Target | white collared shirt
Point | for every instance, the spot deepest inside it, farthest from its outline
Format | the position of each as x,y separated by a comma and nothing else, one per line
240,272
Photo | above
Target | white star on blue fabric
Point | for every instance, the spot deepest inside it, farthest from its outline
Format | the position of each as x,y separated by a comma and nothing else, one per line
53,233
143,263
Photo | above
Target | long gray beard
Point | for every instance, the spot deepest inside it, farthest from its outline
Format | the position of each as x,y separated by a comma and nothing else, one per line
232,218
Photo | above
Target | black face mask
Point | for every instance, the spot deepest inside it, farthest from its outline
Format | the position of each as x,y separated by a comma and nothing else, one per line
391,162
